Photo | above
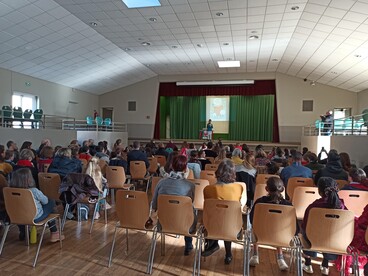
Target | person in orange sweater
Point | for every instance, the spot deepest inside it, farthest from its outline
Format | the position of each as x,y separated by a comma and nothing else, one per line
224,189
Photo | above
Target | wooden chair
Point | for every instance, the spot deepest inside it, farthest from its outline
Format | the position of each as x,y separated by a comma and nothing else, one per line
50,184
211,167
138,172
200,184
161,160
261,169
211,159
294,182
175,216
154,182
115,176
153,165
335,235
261,191
243,199
209,175
283,234
190,175
341,183
45,167
262,178
354,200
21,209
303,197
222,220
132,210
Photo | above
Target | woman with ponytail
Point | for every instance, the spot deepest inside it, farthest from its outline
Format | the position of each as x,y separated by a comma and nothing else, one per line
328,190
274,187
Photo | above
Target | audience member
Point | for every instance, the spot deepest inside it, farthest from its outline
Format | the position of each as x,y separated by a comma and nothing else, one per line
45,157
194,164
312,160
202,159
63,163
359,181
333,168
261,156
11,145
166,170
5,167
9,157
272,168
25,161
117,159
209,151
137,155
221,156
84,153
161,150
345,161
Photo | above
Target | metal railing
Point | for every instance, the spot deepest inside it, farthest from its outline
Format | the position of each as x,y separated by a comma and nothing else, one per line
82,125
352,125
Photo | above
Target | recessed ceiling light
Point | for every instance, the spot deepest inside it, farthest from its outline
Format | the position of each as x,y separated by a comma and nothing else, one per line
357,55
254,37
174,46
200,45
93,24
153,19
219,13
228,63
145,43
312,83
295,8
148,65
225,44
127,49
133,4
334,72
140,39
275,59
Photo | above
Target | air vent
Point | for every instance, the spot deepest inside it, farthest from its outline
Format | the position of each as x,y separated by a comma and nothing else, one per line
307,105
132,106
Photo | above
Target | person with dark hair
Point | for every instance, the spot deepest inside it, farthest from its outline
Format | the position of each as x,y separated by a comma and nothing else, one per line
275,188
194,164
304,150
11,145
261,156
5,167
117,159
296,169
46,155
9,158
25,161
170,145
328,190
101,152
312,161
176,184
287,153
245,148
224,189
279,155
202,159
345,161
84,153
167,168
161,151
359,180
333,168
272,168
209,151
137,155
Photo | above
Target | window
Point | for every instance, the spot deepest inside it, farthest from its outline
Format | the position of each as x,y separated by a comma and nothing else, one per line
25,101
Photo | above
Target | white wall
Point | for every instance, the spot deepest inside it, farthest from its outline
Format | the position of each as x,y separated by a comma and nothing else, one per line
362,101
54,98
290,93
97,136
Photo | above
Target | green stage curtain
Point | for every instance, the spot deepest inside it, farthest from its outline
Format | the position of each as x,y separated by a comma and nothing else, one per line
251,118
187,115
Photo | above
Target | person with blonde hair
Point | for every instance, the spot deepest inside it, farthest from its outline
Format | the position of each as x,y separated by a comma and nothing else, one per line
63,163
25,161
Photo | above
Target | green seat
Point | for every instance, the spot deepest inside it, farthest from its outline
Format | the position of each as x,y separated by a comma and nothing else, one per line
365,119
7,111
27,114
37,114
17,113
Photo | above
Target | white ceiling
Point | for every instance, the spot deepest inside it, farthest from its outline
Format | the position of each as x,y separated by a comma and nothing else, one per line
323,40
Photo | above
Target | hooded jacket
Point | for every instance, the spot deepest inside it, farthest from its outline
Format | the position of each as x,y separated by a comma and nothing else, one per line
334,170
64,165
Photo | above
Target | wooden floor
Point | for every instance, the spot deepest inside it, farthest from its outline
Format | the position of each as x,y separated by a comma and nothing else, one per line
85,254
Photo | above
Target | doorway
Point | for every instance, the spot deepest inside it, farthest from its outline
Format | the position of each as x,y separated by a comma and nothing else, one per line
107,112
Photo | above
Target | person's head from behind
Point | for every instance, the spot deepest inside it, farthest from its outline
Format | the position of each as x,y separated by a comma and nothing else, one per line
327,188
26,145
225,172
26,154
250,161
193,155
260,153
311,157
201,154
47,152
64,153
168,166
275,187
245,148
209,145
304,150
357,175
9,155
11,145
222,154
333,156
345,161
136,145
22,178
237,153
2,153
272,168
84,149
179,163
297,157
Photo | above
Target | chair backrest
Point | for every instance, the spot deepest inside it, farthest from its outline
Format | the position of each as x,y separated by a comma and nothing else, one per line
115,176
222,219
153,165
341,183
89,120
175,214
137,169
260,191
20,205
303,197
154,182
103,164
330,230
355,201
200,184
211,159
27,113
107,122
209,175
45,167
274,224
161,159
211,167
263,177
243,199
191,174
132,209
261,169
37,114
99,121
7,111
50,184
294,182
18,112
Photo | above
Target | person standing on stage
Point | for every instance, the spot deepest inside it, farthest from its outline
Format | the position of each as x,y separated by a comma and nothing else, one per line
209,129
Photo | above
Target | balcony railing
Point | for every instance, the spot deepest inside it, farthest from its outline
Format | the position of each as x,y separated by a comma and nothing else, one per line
82,125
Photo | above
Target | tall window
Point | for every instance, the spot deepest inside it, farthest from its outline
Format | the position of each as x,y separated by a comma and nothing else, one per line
25,101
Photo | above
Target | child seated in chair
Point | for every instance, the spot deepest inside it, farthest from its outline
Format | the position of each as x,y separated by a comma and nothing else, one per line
22,178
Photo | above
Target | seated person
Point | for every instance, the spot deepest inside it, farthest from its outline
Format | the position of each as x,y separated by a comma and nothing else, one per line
45,157
359,180
118,160
194,164
63,163
224,189
137,155
202,159
176,184
5,167
25,161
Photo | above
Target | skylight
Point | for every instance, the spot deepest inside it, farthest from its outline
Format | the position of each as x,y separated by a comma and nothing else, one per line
133,4
228,63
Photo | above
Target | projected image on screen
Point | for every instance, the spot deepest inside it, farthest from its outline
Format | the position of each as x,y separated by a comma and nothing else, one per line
217,109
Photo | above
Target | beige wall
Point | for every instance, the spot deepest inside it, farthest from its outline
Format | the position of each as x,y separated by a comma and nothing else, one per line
54,98
362,101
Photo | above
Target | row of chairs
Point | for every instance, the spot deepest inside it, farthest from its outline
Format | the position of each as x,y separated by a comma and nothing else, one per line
99,121
18,113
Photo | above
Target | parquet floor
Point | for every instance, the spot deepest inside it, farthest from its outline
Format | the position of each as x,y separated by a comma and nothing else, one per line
85,254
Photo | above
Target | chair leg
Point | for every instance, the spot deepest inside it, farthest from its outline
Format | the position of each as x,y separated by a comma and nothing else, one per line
6,230
60,233
66,210
112,196
27,235
199,255
127,240
93,217
163,244
112,246
79,213
39,245
151,255
246,256
195,257
105,211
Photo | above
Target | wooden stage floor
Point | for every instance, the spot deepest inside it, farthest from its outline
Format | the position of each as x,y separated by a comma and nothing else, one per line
85,254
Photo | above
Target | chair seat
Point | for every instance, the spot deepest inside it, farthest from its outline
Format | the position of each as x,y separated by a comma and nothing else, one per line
307,246
124,186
